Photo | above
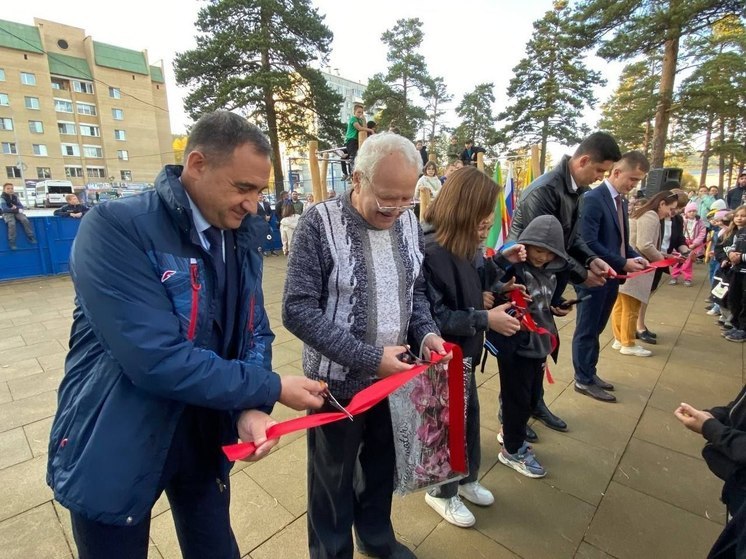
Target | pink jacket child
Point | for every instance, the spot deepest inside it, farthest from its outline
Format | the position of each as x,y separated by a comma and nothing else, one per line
694,234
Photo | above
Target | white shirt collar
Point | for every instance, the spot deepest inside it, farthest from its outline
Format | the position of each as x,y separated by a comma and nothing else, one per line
573,183
612,190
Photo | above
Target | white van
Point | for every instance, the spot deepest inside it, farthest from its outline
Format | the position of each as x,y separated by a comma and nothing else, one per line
52,193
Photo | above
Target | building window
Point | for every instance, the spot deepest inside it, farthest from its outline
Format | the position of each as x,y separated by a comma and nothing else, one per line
115,93
126,174
72,150
9,148
86,109
13,172
63,106
120,135
82,87
43,173
4,100
93,151
36,126
32,103
61,84
117,114
2,75
6,124
27,78
96,172
89,130
73,171
66,128
39,149
123,154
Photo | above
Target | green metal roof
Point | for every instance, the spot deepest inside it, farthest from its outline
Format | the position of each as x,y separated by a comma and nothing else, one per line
119,58
20,37
69,66
156,74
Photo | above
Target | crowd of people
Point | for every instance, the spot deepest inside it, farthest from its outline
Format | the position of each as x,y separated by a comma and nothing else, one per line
171,349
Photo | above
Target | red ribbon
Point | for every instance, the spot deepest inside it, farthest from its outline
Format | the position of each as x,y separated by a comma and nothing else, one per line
527,321
369,397
652,266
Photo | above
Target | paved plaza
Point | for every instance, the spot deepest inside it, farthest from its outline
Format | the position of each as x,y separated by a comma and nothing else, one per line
626,481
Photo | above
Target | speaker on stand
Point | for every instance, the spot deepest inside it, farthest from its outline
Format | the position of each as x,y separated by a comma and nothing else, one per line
664,178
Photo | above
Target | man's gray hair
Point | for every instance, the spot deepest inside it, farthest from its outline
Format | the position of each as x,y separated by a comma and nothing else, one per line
219,133
379,146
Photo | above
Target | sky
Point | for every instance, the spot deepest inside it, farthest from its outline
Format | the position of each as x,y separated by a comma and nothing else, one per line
478,43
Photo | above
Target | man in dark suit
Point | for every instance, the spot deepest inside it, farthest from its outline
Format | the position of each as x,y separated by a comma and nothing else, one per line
264,210
604,226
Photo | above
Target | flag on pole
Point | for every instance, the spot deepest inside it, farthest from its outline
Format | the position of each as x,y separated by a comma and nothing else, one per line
529,174
503,210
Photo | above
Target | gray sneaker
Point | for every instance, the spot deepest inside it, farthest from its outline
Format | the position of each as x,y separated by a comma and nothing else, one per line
524,462
738,336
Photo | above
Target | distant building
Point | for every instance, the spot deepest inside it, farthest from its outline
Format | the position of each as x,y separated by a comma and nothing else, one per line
79,109
351,91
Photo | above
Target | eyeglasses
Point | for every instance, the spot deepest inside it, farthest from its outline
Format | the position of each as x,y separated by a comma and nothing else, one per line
389,210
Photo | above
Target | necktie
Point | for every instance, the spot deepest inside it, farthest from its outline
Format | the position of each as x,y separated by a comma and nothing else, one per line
620,217
215,238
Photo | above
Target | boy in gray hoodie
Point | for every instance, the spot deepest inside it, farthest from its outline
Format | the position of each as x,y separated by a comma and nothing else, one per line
521,358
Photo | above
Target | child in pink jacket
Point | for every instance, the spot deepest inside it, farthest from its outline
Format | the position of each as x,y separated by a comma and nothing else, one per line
694,235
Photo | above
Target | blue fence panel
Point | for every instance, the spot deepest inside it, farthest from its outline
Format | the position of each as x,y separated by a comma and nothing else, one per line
50,256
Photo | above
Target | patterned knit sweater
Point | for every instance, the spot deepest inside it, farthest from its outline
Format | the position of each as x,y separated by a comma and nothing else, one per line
352,289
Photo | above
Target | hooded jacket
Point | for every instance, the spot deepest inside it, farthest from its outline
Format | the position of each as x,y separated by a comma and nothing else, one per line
145,305
552,194
545,232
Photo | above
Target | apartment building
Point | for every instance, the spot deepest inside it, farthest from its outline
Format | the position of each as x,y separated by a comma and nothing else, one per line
74,108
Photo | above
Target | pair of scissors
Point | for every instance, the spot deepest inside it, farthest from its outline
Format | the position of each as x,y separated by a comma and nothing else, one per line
411,359
326,393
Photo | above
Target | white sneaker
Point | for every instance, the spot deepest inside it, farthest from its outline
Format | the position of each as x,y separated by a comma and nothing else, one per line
476,493
500,438
616,345
452,510
636,350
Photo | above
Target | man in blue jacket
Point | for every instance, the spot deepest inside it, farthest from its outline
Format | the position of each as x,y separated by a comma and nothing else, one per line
604,226
170,352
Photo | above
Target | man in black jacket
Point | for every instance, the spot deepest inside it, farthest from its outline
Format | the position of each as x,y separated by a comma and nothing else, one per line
737,194
558,193
73,208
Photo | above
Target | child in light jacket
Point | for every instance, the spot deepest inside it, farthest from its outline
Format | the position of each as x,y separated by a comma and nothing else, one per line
694,234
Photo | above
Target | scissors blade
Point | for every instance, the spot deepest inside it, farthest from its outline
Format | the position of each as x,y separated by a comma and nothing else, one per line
333,401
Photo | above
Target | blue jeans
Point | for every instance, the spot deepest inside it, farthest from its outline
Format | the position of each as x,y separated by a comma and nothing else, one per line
592,317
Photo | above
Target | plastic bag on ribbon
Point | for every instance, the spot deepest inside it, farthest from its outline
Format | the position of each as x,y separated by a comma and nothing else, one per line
429,451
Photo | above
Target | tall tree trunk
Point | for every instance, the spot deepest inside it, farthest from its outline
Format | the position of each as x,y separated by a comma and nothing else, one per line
706,151
269,102
721,171
663,110
544,139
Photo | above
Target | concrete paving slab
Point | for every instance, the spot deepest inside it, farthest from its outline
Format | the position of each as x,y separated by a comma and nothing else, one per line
19,369
54,361
11,342
632,525
23,487
289,543
37,435
450,542
10,356
587,551
34,533
488,405
696,387
35,384
5,395
282,474
526,508
13,448
413,519
662,428
669,476
22,412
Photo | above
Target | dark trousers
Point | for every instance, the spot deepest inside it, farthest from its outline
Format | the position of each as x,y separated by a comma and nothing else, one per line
196,489
473,444
737,300
352,147
350,482
520,387
592,317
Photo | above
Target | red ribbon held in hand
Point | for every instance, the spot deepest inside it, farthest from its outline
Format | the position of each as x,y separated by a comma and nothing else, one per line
369,397
652,266
520,302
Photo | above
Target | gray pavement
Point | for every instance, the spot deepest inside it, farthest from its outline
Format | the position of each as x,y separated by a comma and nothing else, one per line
626,481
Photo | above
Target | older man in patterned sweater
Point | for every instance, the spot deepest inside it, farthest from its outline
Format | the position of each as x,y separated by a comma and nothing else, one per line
355,295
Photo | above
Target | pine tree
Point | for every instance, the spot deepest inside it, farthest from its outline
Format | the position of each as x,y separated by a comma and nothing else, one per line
634,27
256,57
394,92
550,88
475,111
712,99
437,96
628,114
